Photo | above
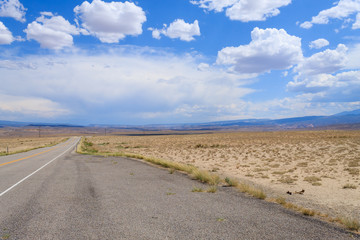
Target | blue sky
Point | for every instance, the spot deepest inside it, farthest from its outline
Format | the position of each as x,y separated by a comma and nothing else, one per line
178,61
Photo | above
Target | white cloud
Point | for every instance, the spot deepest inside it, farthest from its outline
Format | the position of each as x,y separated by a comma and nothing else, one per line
53,32
203,67
319,43
7,64
341,87
306,25
11,105
111,21
244,10
13,9
312,84
156,33
356,25
328,61
353,57
6,36
126,85
269,49
178,29
214,5
343,10
326,77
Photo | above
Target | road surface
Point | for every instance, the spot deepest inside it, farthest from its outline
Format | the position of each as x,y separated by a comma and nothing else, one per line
55,193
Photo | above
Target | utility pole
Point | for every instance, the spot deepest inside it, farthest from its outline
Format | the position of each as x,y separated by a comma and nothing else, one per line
39,132
105,131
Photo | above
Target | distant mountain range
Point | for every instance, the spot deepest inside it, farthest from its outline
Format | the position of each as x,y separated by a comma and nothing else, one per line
31,124
343,120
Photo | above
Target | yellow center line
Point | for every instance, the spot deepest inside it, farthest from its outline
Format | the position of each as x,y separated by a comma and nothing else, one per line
17,160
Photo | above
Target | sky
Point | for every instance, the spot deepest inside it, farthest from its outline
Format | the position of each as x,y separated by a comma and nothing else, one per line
177,61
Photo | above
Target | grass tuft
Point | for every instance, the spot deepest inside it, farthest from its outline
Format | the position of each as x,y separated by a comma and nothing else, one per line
205,177
305,211
231,182
197,189
315,181
280,200
212,189
308,212
350,223
255,192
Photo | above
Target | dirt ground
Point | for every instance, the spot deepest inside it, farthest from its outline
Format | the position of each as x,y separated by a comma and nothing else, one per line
325,164
19,144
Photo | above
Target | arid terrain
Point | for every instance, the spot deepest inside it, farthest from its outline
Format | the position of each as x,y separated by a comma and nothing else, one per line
20,144
325,164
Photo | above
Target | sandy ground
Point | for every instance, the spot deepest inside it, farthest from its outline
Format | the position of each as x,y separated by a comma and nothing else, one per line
326,164
14,144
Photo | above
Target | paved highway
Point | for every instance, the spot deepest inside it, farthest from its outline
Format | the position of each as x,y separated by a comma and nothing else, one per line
55,193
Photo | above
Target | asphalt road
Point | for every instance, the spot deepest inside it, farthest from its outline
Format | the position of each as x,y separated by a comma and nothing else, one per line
86,197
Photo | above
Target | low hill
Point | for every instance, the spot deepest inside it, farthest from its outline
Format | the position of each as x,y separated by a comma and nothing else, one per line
343,120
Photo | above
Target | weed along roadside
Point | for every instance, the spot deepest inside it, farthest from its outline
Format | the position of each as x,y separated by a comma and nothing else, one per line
87,146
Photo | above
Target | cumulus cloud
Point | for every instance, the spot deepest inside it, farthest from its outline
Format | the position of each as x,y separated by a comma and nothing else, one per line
178,29
111,21
319,43
244,10
342,10
328,61
127,85
341,87
269,49
53,32
6,36
326,78
312,84
13,9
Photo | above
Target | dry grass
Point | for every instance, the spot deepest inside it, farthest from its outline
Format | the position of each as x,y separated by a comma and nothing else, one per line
315,181
349,186
307,212
255,192
23,144
212,189
205,177
350,223
231,182
197,189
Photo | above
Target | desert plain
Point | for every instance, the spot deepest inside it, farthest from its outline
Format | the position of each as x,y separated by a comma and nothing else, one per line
325,164
11,145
